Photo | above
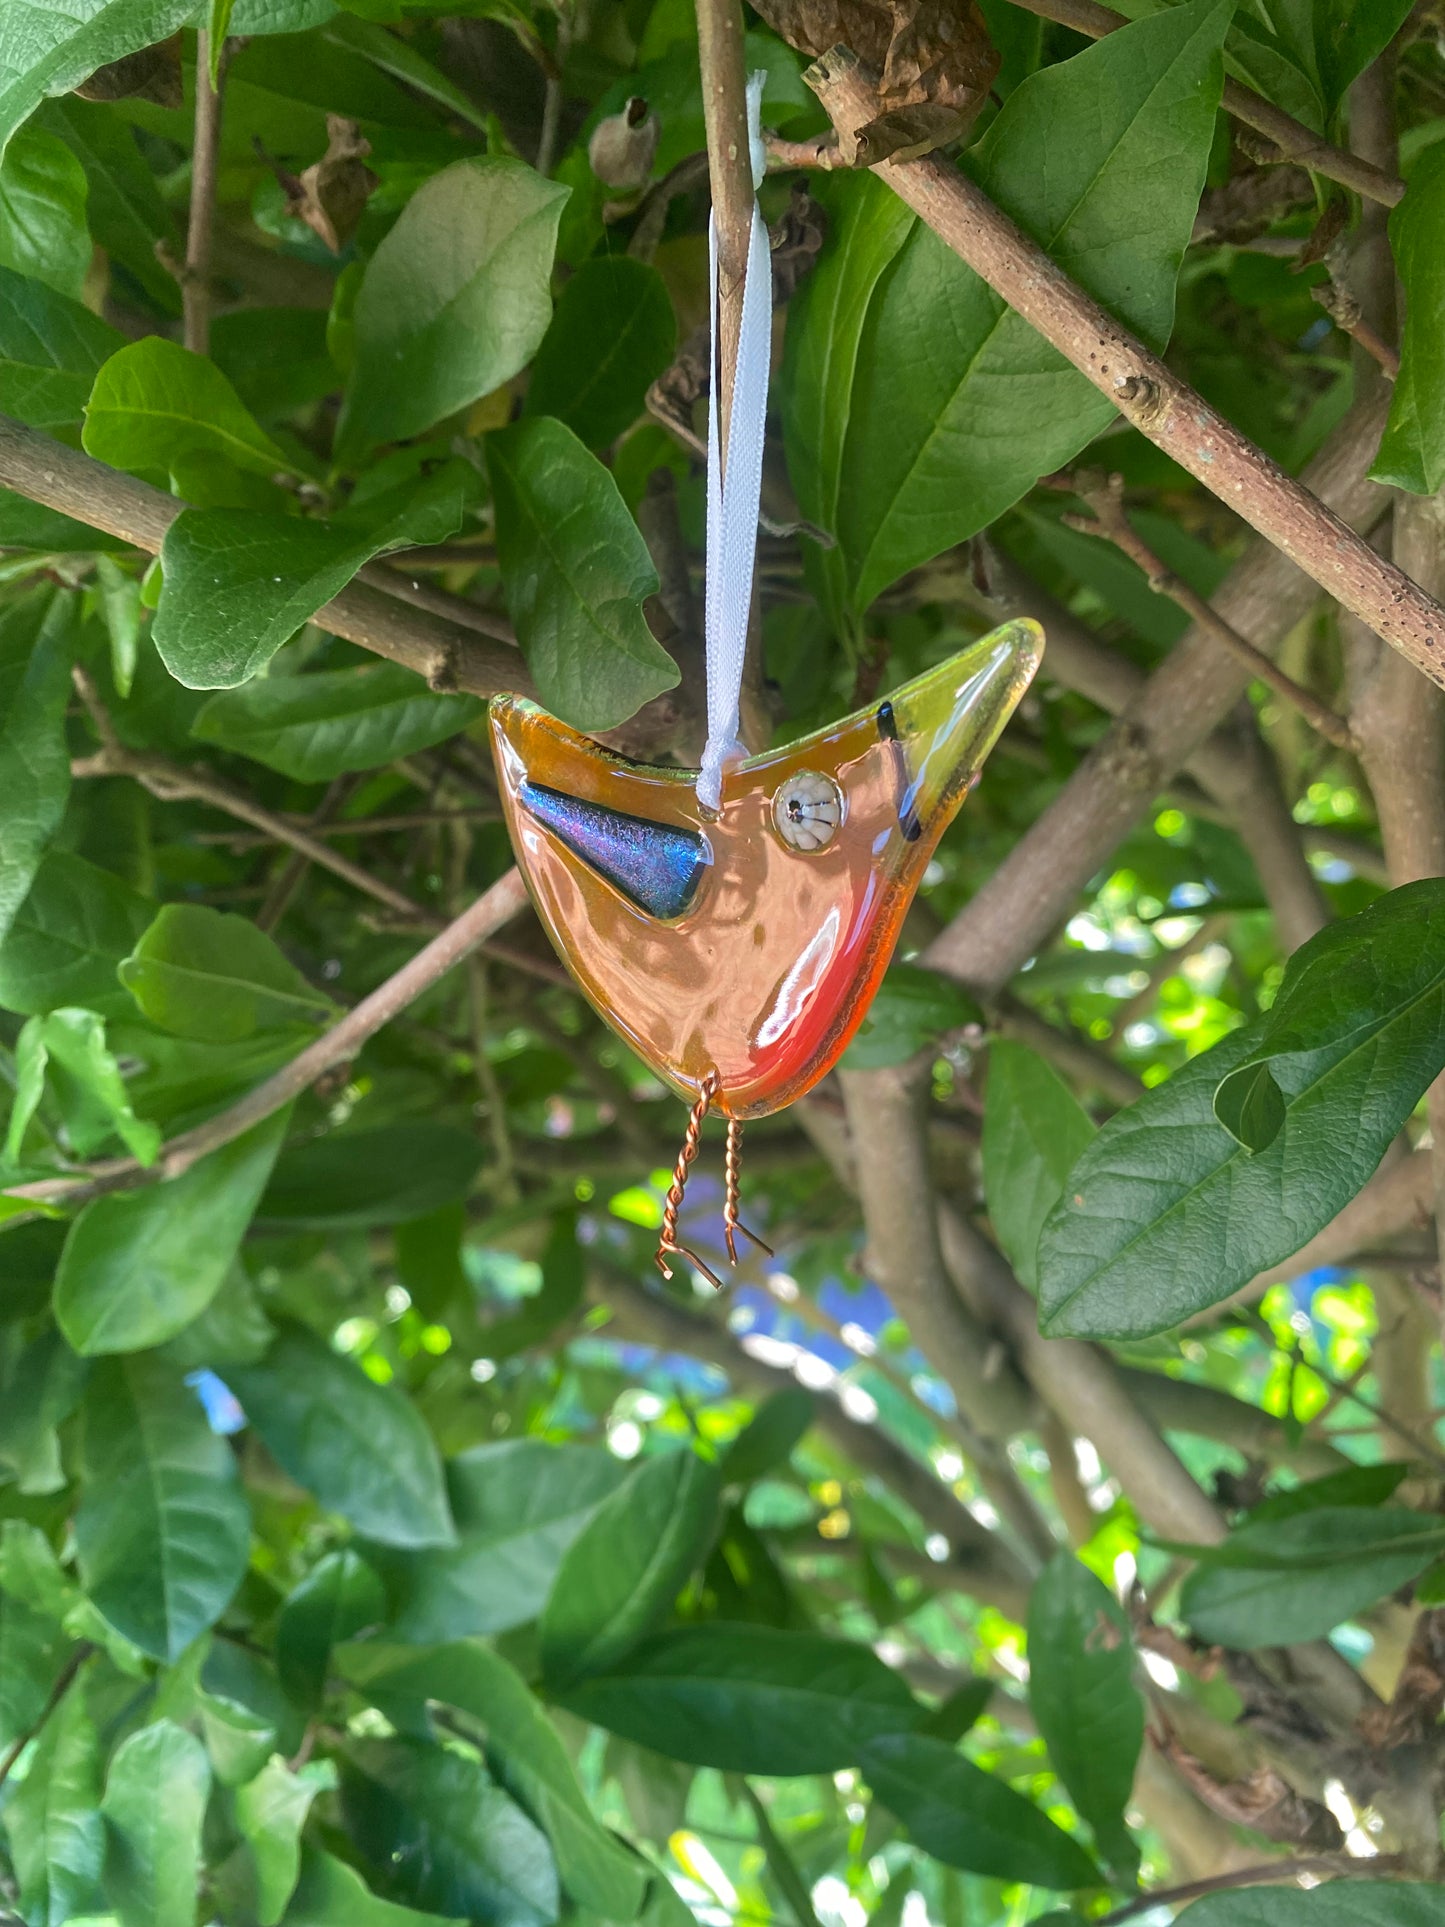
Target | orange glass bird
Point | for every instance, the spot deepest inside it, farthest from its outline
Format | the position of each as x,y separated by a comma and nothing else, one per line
737,951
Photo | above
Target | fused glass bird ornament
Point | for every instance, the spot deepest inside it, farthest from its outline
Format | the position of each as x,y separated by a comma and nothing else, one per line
736,949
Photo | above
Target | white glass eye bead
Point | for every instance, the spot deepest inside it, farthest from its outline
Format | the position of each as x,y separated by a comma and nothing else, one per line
807,810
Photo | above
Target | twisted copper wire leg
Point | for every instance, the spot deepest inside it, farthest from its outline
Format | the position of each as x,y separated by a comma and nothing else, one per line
732,1223
667,1245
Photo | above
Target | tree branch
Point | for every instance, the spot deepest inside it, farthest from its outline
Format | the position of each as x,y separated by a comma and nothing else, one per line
205,153
1291,137
1147,393
1173,715
1341,1866
725,112
443,648
339,1045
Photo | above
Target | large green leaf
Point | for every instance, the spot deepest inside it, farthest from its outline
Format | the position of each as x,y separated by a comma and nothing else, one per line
124,209
155,405
50,352
361,1448
1343,1903
320,726
595,1869
454,302
51,49
154,1805
750,1699
1280,1580
439,1833
1303,54
1082,1693
619,1577
969,1819
393,1172
331,1894
57,1836
93,1099
32,1651
163,1532
1166,1212
340,1597
518,1506
1412,450
270,1813
947,405
768,1438
35,656
612,335
1034,1129
577,573
216,978
240,582
138,1266
42,212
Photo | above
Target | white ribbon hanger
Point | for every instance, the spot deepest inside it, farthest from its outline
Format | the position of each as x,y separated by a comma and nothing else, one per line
733,498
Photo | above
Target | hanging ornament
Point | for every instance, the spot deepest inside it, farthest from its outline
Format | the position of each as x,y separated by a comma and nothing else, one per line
731,925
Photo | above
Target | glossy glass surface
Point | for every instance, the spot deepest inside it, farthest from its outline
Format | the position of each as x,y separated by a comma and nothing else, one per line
771,965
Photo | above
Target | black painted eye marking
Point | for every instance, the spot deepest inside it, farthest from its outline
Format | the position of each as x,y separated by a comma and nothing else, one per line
907,816
656,865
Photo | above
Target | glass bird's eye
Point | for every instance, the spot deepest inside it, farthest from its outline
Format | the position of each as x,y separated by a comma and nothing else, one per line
807,810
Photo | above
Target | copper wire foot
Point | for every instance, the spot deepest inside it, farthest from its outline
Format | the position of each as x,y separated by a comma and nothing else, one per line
732,1223
667,1245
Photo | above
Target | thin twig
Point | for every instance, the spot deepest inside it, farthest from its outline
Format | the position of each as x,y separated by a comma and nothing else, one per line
68,1676
286,884
353,826
196,277
725,112
821,151
1344,310
1345,1867
1105,497
1147,393
1292,140
339,1045
442,648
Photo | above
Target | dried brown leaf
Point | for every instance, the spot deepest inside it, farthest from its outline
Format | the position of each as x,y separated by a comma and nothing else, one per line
1263,1801
331,195
153,73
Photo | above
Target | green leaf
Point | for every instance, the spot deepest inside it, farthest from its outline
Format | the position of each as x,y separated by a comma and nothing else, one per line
1303,54
360,1447
394,1172
240,582
340,1597
576,573
1166,1213
42,212
32,1651
319,726
216,978
619,1577
232,1330
331,1894
400,59
155,405
57,1836
51,50
1034,1130
436,1830
35,655
750,1699
1280,1580
1412,449
155,1802
39,1392
518,1506
74,1040
595,1869
454,302
1353,1903
50,352
238,1740
1365,1485
163,1532
1082,1693
138,1266
912,1007
270,1813
947,406
969,1819
120,608
768,1438
612,335
1250,1106
124,209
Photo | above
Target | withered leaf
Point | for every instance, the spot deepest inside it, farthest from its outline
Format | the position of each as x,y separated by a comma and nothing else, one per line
152,73
1263,1801
934,60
